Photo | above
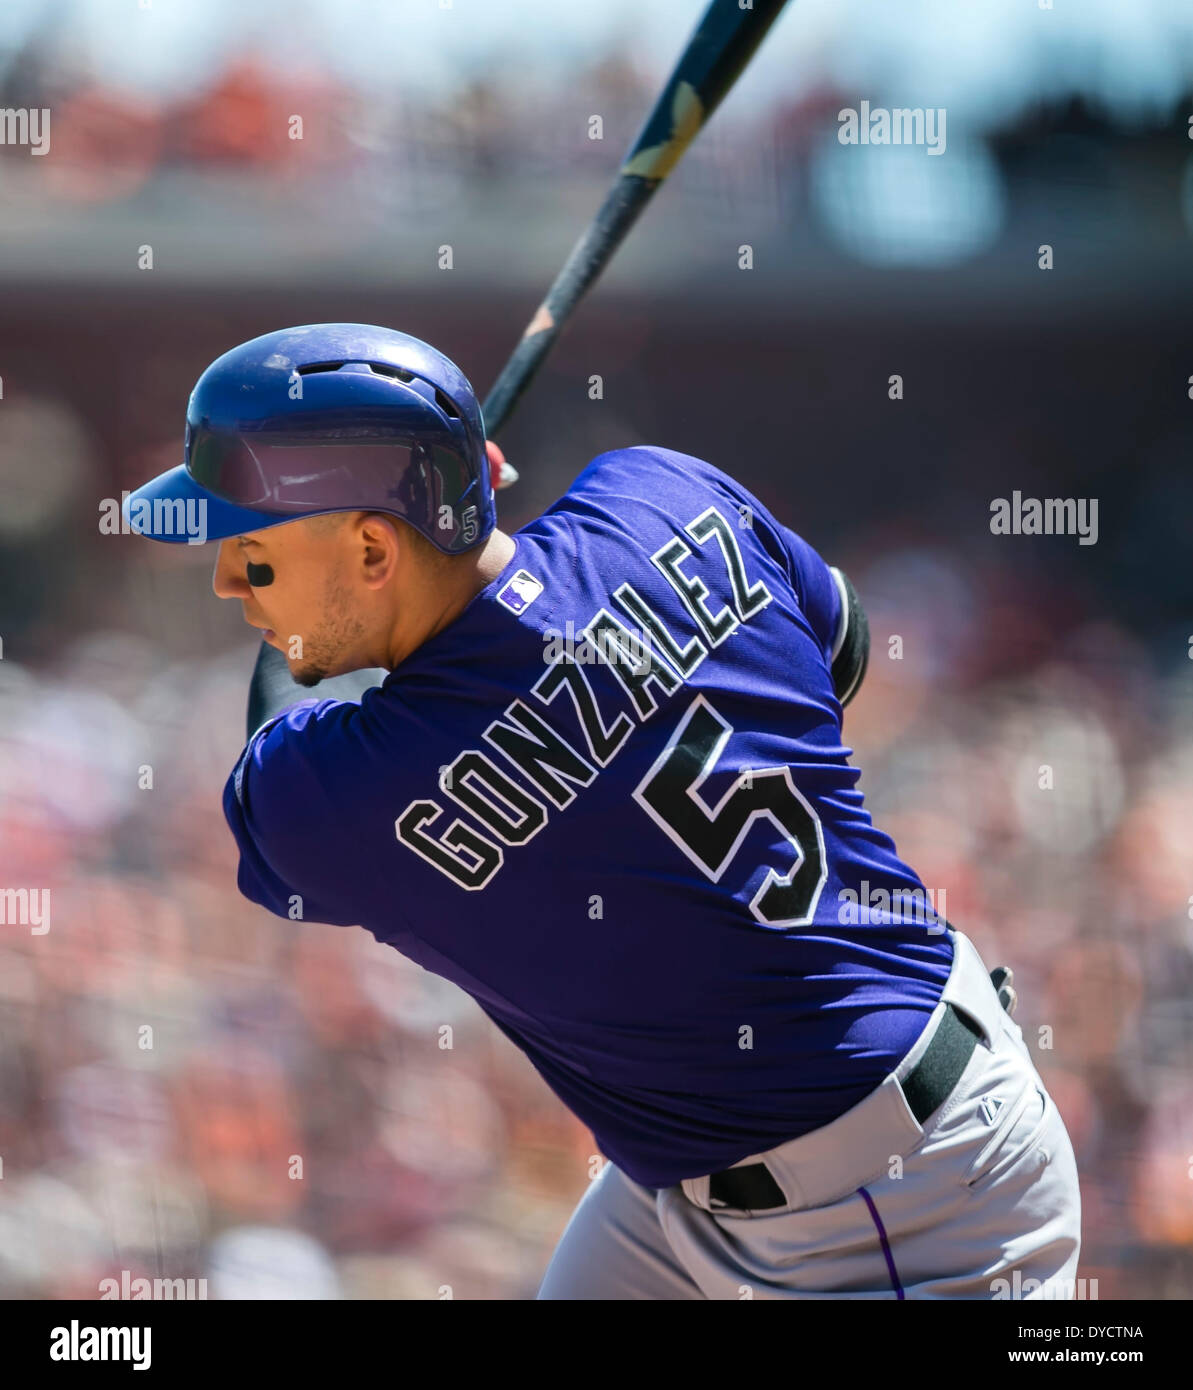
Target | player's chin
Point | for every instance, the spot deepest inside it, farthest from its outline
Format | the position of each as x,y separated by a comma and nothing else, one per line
307,675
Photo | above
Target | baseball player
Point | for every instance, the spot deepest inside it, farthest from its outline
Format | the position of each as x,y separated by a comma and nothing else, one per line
593,773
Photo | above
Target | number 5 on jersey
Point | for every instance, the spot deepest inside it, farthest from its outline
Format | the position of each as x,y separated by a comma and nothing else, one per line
711,836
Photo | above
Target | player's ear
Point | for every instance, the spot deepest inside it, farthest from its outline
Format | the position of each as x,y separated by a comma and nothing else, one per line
502,472
380,537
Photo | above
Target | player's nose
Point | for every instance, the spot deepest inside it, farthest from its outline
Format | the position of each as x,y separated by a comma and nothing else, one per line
229,580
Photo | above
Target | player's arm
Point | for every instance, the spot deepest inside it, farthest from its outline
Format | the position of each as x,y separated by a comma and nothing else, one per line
272,690
851,647
287,801
833,609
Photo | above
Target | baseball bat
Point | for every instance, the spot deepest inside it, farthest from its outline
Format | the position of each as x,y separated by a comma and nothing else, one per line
722,45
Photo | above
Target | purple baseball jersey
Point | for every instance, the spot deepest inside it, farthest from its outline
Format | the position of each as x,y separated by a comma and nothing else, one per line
611,802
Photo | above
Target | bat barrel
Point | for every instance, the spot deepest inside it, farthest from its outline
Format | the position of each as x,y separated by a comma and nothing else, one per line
723,43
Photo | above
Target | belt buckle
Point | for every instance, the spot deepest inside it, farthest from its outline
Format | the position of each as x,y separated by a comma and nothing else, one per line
749,1188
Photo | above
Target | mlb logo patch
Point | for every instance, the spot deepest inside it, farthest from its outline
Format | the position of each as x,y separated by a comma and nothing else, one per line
520,592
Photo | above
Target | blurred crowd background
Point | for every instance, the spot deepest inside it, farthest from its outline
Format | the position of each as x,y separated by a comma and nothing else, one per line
1027,739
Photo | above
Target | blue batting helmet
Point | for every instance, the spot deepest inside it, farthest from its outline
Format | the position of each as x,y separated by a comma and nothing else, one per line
328,417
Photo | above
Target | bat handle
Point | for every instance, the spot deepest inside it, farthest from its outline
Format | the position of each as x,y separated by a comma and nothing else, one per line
622,206
516,376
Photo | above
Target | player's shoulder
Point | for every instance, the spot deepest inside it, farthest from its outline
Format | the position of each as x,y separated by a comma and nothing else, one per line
297,804
638,469
301,759
643,484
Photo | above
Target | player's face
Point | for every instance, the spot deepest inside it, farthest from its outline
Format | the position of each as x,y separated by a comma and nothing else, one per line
295,583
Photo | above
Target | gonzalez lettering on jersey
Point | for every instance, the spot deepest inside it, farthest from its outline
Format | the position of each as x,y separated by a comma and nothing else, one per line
511,816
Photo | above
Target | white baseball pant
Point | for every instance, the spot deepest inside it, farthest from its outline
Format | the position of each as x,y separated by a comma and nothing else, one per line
981,1203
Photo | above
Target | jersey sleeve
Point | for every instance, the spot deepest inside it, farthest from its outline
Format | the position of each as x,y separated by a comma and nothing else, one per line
819,590
289,822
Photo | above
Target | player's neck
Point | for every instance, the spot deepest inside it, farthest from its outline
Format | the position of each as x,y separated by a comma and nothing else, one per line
492,557
464,580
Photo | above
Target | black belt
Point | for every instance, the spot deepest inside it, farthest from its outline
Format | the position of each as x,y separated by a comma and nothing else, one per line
927,1086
